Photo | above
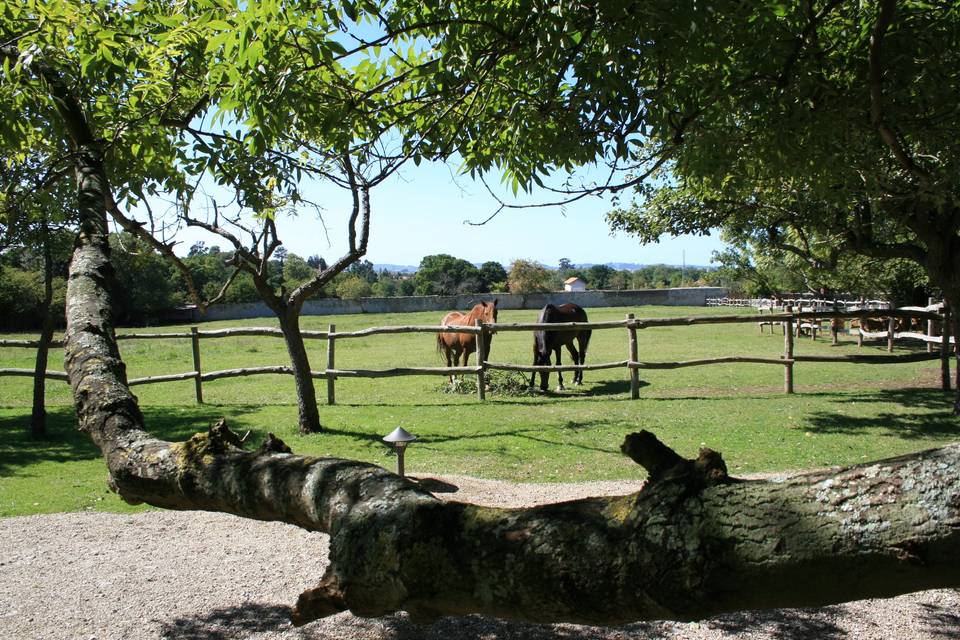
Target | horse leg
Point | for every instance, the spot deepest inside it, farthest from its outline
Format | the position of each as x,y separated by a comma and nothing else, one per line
577,375
447,351
583,339
560,387
456,360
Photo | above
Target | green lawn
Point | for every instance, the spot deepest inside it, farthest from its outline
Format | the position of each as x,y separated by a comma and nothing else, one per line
841,413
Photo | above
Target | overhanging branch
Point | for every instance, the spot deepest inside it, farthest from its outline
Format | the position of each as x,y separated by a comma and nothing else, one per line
887,134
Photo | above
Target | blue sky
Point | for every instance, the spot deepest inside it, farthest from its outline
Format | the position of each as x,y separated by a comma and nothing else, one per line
424,210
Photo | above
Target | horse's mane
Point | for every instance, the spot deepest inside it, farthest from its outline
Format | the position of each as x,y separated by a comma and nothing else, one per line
479,312
546,313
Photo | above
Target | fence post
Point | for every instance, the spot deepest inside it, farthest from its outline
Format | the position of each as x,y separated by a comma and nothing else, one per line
481,360
929,326
331,395
891,330
634,373
945,350
198,384
788,355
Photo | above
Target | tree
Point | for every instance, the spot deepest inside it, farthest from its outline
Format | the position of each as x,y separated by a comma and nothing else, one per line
528,277
620,280
364,269
599,276
35,224
444,275
843,110
297,271
353,286
693,543
157,89
385,287
492,274
757,268
145,279
316,262
406,287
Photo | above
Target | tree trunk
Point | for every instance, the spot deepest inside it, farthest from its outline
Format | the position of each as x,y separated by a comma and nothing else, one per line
950,298
306,393
954,326
942,265
38,418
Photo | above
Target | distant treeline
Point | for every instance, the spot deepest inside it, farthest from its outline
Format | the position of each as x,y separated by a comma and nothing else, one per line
150,287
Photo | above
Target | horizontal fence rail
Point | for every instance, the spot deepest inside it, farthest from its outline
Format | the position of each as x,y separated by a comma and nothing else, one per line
767,303
30,373
792,322
556,367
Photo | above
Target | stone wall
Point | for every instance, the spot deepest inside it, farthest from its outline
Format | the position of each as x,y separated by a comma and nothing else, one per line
688,296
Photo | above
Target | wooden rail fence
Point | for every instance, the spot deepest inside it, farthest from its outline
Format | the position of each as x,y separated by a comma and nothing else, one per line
836,304
484,331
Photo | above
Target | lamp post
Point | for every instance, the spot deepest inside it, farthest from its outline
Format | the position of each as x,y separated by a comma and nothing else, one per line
399,438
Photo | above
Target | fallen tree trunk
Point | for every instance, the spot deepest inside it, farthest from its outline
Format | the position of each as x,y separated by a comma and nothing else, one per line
693,543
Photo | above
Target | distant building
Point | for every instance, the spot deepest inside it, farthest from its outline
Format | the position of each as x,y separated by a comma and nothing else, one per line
574,284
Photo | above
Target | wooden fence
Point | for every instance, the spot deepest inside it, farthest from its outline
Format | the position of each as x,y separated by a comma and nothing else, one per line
631,362
833,304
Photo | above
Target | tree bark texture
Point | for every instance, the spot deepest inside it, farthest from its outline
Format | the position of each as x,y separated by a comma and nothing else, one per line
309,414
692,543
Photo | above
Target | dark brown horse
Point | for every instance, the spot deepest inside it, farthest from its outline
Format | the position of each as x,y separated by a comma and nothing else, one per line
545,342
454,344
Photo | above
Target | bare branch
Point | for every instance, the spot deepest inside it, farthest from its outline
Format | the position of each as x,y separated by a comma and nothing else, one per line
360,212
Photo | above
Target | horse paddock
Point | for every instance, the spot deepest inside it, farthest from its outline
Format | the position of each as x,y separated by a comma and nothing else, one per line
840,414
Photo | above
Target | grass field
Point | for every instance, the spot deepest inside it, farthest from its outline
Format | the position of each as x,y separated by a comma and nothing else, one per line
841,413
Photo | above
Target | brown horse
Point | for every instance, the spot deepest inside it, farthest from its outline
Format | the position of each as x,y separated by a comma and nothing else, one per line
547,342
454,344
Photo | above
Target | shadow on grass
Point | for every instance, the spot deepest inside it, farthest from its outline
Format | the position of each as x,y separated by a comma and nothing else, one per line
179,423
931,414
425,441
228,622
64,442
613,387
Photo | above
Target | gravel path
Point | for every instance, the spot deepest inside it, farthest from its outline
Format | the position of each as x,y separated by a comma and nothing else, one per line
165,574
